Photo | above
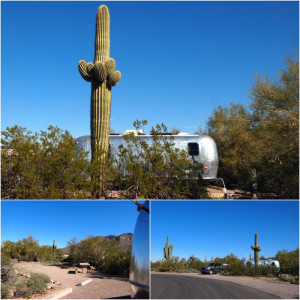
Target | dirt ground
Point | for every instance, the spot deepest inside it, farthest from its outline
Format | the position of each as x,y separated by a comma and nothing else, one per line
284,290
101,287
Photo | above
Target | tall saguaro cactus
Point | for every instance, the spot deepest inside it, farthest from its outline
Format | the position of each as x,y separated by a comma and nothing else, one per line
256,249
53,247
102,76
168,250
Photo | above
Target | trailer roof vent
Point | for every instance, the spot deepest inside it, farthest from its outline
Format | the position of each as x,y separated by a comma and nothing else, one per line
183,133
135,132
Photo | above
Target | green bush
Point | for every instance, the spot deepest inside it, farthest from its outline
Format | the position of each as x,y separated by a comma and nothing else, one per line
5,291
32,164
21,290
105,255
36,284
289,261
8,274
117,263
31,167
28,249
262,136
157,170
289,278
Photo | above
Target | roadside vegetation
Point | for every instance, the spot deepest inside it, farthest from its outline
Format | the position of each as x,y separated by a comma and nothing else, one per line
289,266
258,147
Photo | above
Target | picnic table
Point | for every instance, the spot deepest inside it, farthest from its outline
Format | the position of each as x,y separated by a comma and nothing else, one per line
84,267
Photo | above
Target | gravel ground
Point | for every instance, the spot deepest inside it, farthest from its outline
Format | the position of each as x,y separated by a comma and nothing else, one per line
101,287
284,290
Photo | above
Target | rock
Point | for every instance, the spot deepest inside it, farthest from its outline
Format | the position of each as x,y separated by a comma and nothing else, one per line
56,282
20,294
10,294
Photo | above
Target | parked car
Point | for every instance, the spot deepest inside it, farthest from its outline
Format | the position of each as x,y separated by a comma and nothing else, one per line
213,268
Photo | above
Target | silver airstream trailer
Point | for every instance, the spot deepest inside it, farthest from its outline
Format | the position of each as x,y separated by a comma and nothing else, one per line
139,261
275,264
202,148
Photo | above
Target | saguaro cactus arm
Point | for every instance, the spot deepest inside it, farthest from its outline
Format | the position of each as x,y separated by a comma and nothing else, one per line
256,247
104,66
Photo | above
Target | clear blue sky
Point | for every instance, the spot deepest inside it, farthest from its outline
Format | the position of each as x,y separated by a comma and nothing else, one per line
63,220
218,228
179,60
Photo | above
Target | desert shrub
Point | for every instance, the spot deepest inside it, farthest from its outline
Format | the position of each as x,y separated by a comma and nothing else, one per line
194,263
289,261
5,291
268,271
36,284
21,290
174,264
157,170
263,135
117,263
236,268
289,278
8,274
46,165
28,249
105,255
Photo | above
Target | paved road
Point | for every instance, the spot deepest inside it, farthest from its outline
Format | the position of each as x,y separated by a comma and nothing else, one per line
165,286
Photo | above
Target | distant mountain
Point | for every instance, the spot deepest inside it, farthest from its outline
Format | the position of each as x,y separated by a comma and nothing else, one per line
124,240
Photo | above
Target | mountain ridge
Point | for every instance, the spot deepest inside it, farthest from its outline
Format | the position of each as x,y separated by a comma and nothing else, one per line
124,240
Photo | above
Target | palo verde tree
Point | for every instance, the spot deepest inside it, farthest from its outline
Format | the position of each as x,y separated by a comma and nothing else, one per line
262,138
103,76
230,127
275,115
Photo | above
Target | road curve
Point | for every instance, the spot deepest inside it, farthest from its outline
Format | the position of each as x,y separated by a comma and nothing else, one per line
166,286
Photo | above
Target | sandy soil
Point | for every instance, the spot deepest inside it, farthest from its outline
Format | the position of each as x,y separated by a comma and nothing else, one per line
101,287
284,290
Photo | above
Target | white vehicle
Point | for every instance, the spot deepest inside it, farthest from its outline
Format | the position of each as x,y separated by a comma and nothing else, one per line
202,148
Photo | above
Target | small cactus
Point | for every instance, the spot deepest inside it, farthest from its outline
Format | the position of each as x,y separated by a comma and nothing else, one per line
103,76
168,250
256,250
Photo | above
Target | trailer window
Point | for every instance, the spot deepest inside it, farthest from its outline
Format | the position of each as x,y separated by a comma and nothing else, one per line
193,149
